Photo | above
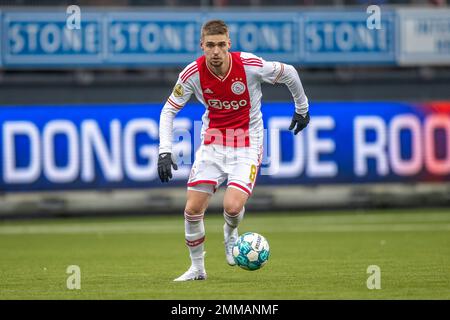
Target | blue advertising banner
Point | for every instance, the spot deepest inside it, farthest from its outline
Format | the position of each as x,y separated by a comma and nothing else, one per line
43,39
107,38
116,146
273,36
152,38
345,37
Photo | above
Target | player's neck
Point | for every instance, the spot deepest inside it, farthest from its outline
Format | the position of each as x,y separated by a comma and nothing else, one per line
223,69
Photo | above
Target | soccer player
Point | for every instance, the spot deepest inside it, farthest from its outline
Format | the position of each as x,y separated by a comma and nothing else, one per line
228,84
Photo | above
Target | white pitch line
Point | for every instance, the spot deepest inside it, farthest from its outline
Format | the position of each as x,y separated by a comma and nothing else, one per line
80,229
158,229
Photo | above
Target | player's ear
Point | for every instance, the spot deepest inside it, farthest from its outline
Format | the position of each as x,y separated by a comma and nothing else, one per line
202,44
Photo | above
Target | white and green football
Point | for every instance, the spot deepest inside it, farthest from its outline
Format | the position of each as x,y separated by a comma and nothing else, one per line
251,251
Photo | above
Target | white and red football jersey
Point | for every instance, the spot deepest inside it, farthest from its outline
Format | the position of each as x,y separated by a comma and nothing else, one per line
233,103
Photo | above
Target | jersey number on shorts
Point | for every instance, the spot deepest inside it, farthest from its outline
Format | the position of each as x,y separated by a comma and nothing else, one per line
253,173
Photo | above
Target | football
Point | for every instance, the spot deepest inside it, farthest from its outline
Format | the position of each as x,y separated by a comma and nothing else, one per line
251,251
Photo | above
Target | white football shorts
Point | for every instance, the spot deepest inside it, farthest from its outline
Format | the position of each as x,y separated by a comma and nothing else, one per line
216,163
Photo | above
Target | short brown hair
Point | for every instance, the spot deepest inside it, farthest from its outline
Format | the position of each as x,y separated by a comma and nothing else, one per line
214,27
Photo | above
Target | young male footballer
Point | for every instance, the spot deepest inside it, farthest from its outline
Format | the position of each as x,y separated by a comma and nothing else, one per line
228,84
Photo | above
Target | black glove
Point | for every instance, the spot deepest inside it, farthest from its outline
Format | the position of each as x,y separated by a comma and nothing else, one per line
300,121
165,163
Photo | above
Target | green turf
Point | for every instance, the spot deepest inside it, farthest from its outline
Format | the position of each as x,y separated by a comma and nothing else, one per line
313,256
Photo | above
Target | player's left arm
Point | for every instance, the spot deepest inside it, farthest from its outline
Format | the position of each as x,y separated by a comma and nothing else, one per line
277,72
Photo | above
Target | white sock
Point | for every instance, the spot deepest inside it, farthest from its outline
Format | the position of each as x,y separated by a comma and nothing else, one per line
232,222
194,231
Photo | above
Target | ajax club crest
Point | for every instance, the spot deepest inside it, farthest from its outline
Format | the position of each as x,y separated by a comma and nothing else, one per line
238,87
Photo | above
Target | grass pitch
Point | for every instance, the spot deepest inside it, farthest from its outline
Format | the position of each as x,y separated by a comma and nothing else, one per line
313,256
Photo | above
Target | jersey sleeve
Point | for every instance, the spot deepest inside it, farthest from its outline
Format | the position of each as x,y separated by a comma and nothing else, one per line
181,93
271,71
277,72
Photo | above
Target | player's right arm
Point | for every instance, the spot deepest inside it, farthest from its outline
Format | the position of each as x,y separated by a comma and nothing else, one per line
180,95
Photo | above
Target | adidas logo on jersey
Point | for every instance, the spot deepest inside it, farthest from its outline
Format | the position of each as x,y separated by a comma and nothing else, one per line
208,90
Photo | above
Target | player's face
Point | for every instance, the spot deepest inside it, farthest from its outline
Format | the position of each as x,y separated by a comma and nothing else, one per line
215,48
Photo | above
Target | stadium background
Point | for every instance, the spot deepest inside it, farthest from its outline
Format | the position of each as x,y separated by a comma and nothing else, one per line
347,69
79,111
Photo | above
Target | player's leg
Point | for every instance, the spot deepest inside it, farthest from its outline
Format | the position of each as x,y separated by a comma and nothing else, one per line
234,208
205,177
196,205
243,169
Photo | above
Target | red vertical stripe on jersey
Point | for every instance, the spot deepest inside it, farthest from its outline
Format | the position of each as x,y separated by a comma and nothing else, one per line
228,103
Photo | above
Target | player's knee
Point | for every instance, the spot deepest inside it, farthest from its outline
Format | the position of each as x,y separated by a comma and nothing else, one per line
194,210
232,209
